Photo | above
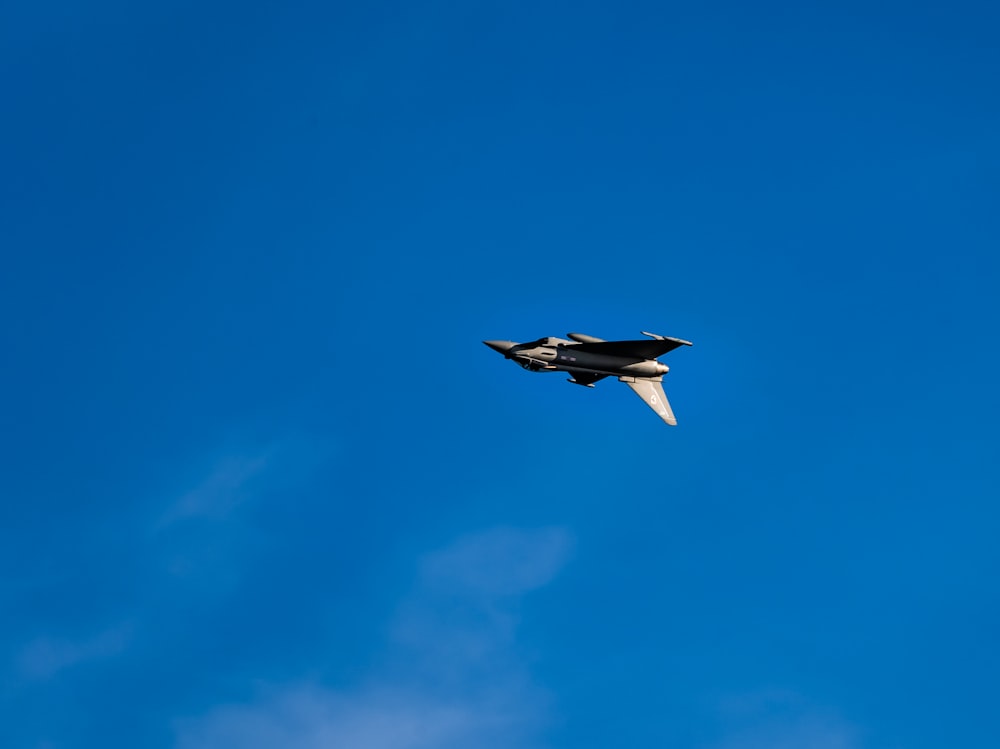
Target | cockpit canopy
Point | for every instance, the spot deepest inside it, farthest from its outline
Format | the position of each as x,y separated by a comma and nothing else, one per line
548,341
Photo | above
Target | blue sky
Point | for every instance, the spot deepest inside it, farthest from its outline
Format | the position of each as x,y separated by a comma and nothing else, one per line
263,486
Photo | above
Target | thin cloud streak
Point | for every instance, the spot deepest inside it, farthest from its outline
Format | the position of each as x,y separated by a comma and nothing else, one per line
241,476
44,657
782,719
220,492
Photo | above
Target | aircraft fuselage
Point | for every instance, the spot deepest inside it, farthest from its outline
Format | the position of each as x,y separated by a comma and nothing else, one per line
555,355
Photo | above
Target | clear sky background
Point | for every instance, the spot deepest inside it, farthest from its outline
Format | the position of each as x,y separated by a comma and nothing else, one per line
262,485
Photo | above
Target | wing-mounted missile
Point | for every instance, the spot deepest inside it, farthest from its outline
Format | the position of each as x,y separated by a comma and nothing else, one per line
678,341
584,338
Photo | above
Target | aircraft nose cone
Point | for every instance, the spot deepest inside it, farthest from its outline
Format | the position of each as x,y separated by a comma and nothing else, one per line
501,347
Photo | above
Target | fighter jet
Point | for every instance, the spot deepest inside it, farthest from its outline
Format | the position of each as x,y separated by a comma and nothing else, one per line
588,359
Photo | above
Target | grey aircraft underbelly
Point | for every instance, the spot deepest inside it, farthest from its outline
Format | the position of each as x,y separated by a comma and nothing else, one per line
588,359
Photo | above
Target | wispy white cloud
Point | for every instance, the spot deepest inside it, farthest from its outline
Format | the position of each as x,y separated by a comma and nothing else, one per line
463,613
204,534
196,536
241,476
499,562
44,657
226,486
783,719
311,717
452,676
